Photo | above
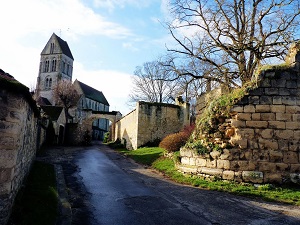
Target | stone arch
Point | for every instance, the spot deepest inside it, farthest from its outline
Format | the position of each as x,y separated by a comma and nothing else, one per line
93,115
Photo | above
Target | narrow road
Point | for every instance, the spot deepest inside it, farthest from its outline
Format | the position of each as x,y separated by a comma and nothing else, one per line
108,189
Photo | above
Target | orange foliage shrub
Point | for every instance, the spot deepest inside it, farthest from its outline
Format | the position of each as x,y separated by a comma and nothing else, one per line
173,142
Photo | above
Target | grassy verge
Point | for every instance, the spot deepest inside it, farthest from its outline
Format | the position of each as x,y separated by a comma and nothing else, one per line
36,203
285,194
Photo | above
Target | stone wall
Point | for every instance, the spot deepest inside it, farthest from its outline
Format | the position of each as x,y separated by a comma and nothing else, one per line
265,133
18,141
150,122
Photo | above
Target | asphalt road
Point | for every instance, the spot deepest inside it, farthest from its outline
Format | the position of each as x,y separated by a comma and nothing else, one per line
105,188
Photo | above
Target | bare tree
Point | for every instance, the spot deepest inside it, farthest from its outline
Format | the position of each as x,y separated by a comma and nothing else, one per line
66,95
152,83
230,38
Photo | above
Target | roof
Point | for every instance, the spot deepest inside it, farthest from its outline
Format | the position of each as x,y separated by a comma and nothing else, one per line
52,111
43,101
64,47
8,82
62,44
92,93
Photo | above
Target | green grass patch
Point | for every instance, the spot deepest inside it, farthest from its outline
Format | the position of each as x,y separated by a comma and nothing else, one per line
154,158
145,156
37,202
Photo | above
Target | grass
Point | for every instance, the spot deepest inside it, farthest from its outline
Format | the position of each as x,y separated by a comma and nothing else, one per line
268,192
37,202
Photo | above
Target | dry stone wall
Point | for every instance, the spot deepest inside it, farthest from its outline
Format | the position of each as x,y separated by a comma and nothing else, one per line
20,136
265,127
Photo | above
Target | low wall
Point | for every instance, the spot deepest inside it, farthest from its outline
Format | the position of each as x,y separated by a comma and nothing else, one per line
18,142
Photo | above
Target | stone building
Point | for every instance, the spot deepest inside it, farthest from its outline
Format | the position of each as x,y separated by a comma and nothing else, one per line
94,100
21,134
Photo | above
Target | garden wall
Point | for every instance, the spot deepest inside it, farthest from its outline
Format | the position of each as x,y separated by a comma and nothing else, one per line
264,129
20,136
150,122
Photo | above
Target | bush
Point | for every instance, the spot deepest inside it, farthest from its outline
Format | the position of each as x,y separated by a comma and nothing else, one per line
173,142
106,137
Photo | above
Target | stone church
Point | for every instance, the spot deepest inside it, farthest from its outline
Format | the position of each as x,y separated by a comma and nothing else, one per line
56,63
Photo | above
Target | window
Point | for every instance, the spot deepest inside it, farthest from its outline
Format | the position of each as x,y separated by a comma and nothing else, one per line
68,66
51,48
53,68
48,83
63,67
46,66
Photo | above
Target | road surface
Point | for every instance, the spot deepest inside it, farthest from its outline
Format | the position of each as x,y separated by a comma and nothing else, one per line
106,188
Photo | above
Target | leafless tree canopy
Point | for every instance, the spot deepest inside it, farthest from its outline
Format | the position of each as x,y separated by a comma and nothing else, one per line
152,83
65,94
229,39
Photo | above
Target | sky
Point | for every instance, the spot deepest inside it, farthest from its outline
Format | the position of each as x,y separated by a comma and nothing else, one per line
108,40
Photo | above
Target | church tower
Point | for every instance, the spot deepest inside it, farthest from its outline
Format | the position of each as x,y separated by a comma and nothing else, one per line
56,63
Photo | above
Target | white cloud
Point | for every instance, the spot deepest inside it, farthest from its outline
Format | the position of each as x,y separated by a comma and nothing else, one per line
112,4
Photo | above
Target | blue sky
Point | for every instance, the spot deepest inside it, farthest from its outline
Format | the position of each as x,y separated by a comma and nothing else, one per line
108,39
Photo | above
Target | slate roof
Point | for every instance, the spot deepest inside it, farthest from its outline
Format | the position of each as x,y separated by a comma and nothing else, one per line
43,101
52,111
64,47
92,93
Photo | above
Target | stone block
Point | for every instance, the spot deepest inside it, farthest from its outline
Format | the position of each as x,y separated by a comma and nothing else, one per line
295,168
238,123
200,162
211,163
294,145
296,117
283,145
262,108
193,161
295,178
284,134
238,176
261,155
223,164
265,82
282,167
237,109
8,158
249,109
185,160
268,144
7,142
5,188
276,156
255,116
271,91
289,100
257,124
228,175
283,116
292,125
296,135
292,109
267,116
279,83
272,178
188,169
244,116
215,154
291,84
290,157
277,108
277,124
267,133
284,92
226,154
277,100
253,176
254,100
212,172
246,154
266,167
265,100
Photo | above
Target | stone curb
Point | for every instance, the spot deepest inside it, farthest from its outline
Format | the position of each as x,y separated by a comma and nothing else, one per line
65,210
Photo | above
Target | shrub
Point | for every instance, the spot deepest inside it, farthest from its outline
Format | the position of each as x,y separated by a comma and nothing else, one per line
173,142
106,137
